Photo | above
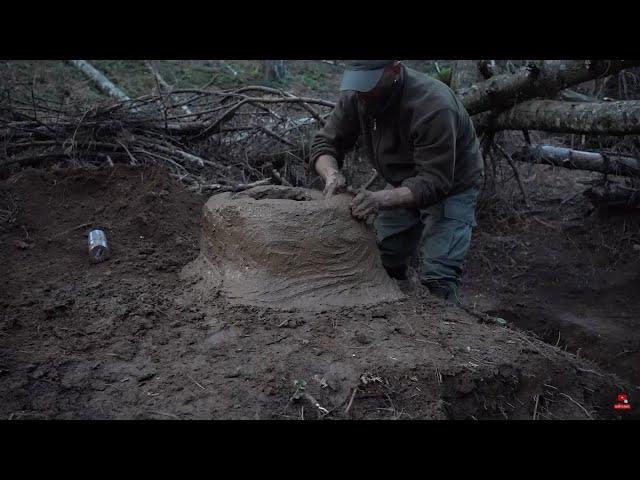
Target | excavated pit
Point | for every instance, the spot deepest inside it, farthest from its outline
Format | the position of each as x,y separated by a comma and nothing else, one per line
286,247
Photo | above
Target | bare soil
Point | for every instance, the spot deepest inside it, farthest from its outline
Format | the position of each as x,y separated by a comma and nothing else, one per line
128,338
568,273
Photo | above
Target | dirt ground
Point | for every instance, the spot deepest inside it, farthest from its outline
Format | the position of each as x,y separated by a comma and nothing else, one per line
126,339
569,274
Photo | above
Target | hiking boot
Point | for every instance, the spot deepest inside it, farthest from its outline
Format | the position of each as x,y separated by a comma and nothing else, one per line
445,291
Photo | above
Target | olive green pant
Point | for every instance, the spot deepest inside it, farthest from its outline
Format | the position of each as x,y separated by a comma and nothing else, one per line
440,235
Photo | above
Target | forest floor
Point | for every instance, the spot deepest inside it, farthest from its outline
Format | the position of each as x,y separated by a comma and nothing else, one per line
128,339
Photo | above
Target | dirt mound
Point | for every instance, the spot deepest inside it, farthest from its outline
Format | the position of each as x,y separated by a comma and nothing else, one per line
287,247
126,339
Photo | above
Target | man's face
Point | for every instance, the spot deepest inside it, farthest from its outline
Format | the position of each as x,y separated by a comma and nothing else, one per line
378,95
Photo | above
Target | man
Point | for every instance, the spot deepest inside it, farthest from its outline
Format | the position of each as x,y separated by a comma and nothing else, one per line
420,139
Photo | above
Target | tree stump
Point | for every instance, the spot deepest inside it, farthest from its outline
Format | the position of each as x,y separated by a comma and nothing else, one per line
285,247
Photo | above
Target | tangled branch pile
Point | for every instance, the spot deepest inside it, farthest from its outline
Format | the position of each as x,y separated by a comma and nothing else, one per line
229,140
217,140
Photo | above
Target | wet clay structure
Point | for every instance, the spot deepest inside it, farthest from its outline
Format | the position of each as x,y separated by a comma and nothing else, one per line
286,247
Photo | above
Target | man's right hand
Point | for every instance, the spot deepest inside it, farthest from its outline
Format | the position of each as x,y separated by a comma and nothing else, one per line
335,183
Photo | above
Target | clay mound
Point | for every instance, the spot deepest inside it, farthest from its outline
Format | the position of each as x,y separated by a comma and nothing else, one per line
285,247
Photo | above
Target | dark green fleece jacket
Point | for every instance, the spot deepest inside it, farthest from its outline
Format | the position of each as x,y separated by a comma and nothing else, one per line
423,139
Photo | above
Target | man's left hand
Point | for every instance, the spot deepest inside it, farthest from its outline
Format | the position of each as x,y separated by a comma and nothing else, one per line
365,206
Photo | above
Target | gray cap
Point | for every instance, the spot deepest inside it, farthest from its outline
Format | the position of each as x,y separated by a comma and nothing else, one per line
363,75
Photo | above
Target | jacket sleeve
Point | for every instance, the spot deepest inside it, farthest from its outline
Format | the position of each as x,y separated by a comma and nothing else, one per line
340,132
434,154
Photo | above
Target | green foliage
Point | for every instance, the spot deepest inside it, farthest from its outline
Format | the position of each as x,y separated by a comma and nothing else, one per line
299,385
310,75
445,75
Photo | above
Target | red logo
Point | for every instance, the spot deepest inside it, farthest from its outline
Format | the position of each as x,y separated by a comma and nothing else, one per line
622,402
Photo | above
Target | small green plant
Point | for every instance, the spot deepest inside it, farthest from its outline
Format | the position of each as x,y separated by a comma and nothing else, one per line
299,385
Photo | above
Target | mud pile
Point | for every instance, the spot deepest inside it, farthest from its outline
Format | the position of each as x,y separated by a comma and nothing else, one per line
285,247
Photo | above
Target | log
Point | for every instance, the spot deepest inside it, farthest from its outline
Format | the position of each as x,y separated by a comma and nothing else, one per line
607,118
613,196
534,81
103,83
579,160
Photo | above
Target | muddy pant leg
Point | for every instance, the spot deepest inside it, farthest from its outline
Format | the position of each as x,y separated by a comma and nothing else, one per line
443,250
398,232
445,244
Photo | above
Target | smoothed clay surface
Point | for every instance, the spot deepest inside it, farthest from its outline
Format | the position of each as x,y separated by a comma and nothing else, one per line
287,247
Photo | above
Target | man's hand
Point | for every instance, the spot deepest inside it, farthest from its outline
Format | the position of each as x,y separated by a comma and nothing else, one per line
365,205
335,183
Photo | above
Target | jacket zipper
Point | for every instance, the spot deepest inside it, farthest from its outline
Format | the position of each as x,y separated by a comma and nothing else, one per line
376,154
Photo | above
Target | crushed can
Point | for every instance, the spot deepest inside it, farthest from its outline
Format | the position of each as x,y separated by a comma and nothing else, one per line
98,246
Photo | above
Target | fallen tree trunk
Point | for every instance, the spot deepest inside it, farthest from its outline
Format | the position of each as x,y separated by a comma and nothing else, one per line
614,196
579,160
103,83
608,118
502,91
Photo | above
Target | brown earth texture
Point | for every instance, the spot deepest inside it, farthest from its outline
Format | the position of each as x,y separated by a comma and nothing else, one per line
130,339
